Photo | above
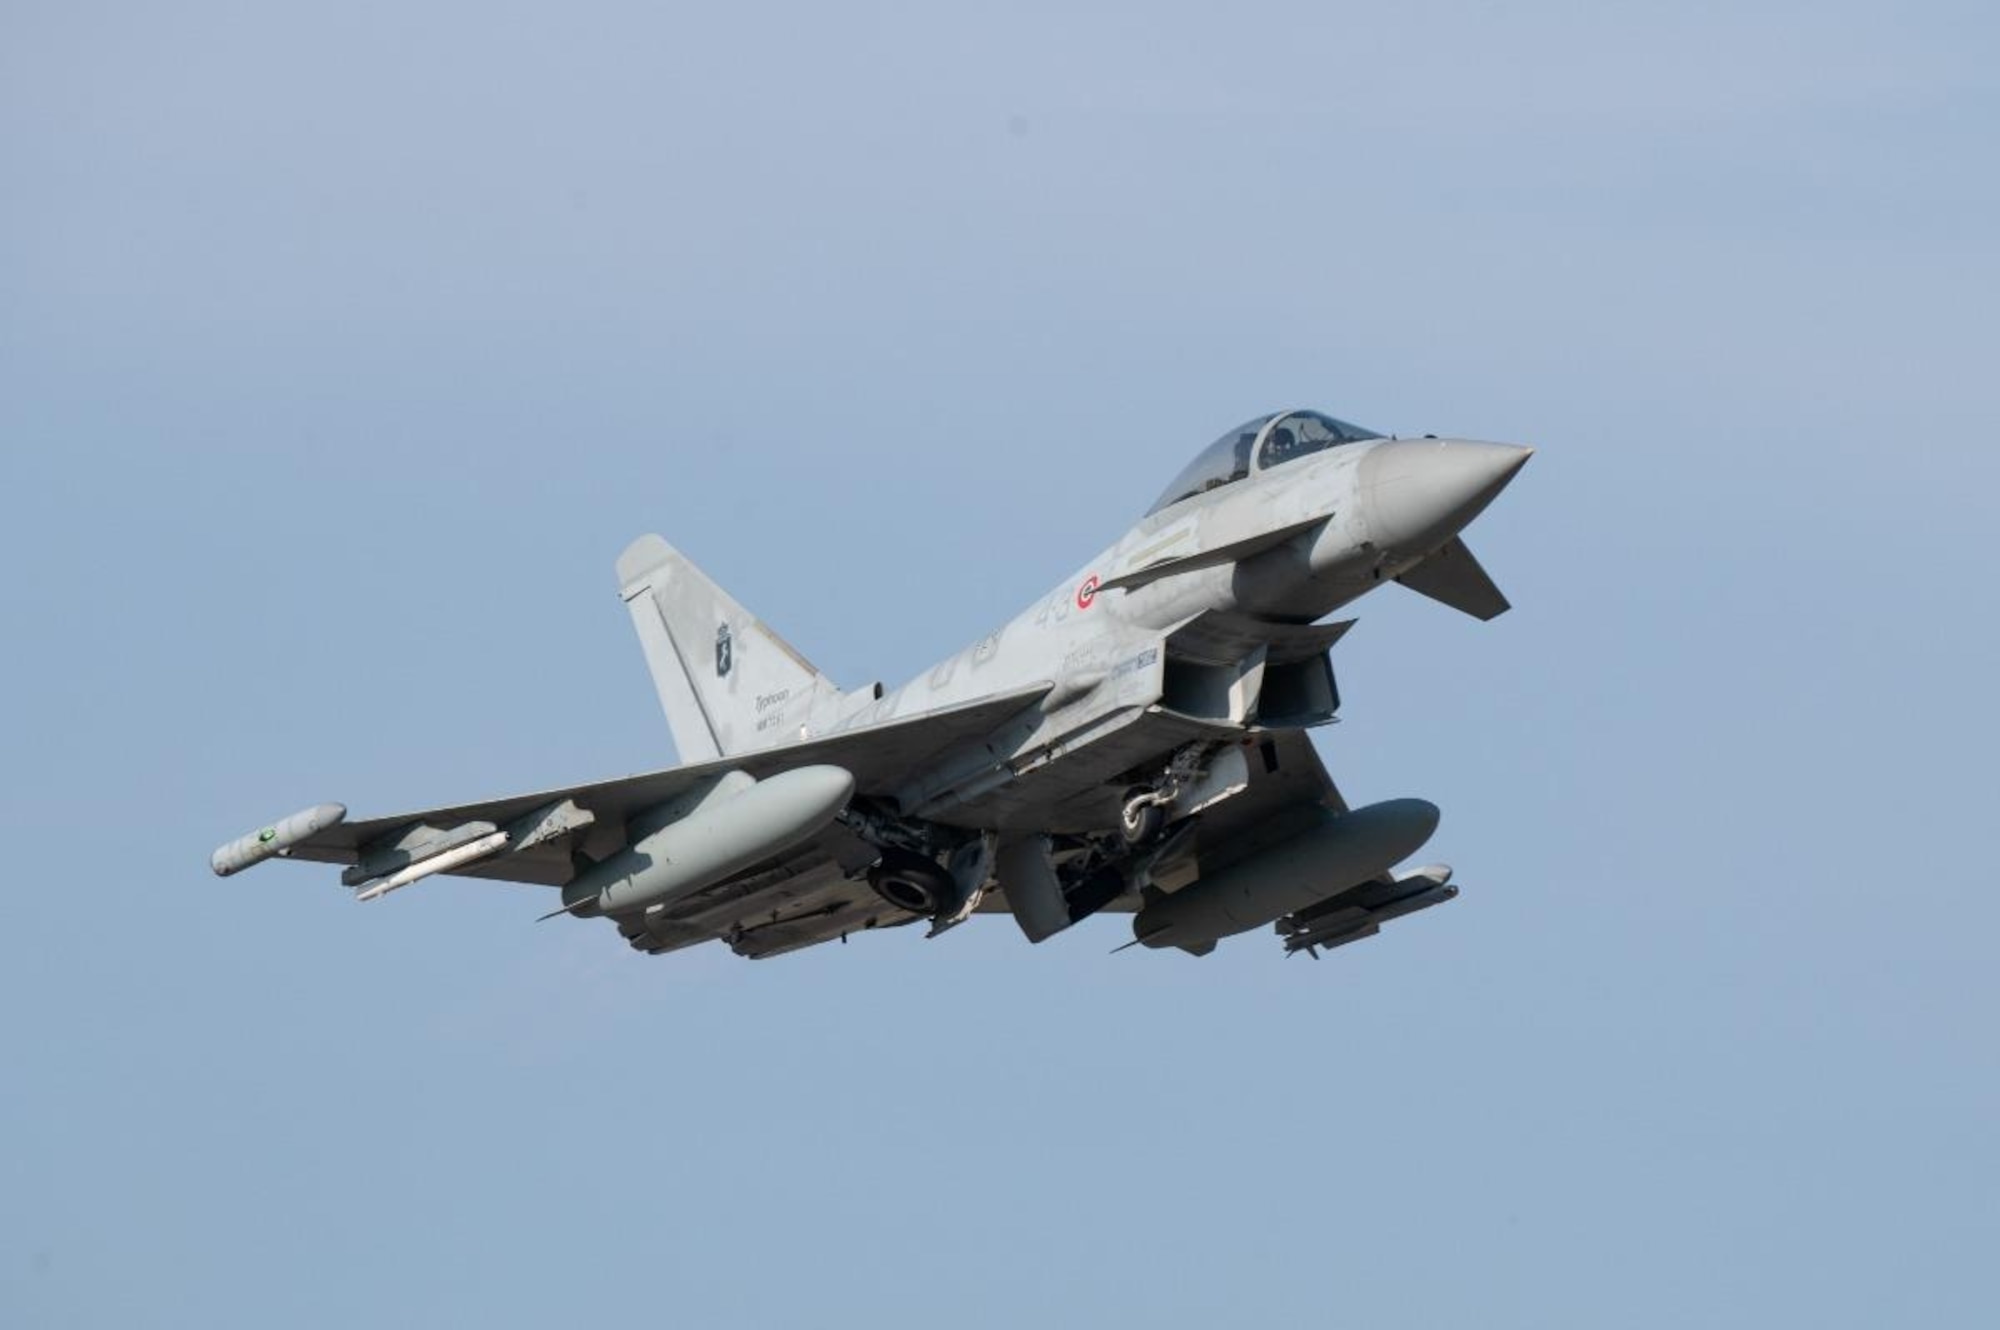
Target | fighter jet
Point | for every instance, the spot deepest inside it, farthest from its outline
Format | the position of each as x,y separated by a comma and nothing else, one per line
1133,741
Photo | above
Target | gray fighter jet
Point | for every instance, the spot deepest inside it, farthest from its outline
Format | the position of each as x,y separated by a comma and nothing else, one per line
1133,741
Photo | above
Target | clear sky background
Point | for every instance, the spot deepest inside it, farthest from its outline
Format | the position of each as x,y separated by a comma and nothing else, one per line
343,346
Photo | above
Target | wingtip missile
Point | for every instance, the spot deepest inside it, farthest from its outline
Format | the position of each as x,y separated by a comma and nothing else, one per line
275,839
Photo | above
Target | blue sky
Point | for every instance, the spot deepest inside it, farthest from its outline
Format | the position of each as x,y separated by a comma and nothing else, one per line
343,347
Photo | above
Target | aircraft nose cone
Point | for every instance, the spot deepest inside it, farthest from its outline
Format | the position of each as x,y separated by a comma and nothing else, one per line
1419,493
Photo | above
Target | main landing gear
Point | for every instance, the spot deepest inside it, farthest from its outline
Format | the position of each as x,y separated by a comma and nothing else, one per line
1143,816
1145,809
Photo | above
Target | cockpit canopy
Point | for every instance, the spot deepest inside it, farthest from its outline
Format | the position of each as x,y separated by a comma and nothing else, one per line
1272,440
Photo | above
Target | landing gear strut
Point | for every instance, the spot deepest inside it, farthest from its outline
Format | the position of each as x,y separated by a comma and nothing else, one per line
1187,785
1143,816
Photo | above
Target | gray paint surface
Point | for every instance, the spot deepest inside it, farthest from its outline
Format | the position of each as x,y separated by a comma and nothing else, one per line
1126,693
343,349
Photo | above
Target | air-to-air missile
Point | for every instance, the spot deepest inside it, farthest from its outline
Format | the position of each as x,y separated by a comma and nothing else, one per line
441,862
1360,913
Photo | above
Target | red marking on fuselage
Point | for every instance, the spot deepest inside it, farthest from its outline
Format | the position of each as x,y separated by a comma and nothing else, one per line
1087,593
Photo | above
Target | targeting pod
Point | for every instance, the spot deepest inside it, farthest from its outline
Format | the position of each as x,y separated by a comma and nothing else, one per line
280,836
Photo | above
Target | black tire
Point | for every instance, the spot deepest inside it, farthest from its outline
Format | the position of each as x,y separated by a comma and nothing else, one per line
1141,823
910,881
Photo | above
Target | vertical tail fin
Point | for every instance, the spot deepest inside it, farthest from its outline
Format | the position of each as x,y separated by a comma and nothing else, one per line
728,683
